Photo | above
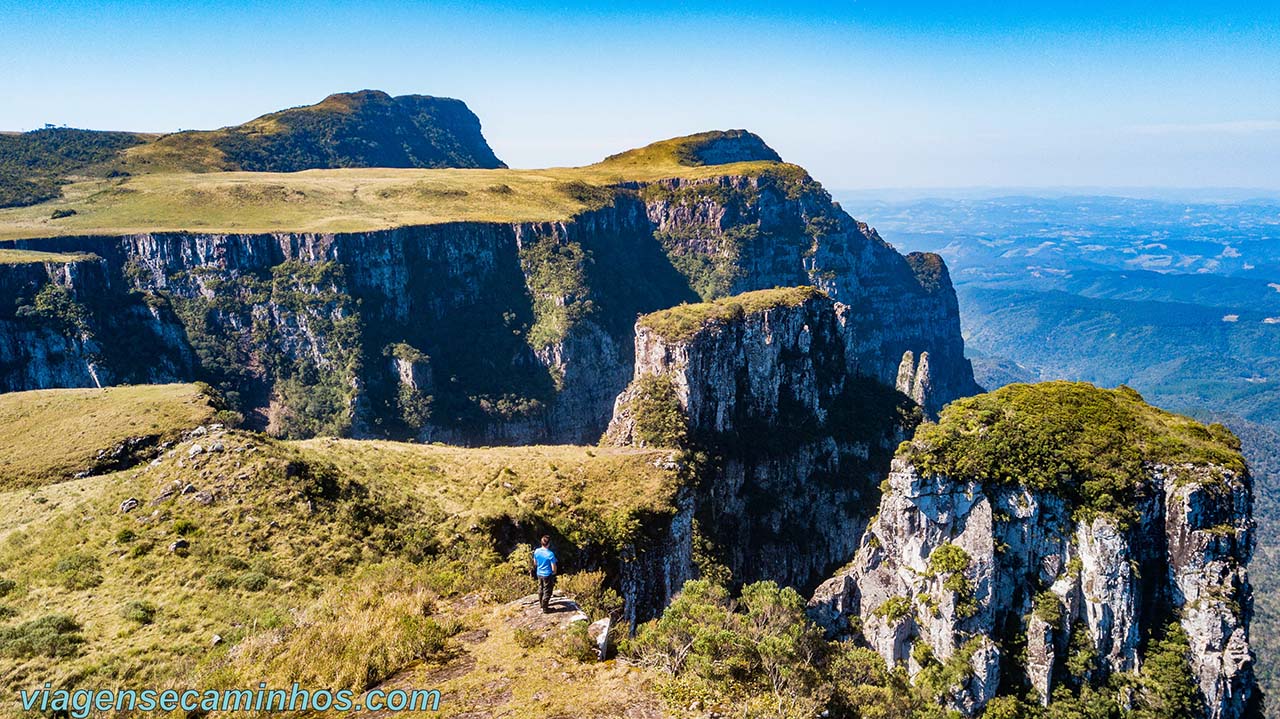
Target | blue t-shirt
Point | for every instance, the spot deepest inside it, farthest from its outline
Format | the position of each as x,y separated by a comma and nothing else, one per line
544,558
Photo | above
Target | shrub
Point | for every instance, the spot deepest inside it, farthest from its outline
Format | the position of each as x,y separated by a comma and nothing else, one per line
141,549
574,644
526,638
7,586
219,579
7,611
894,609
1048,608
78,571
126,535
253,581
58,306
1168,686
139,611
948,559
61,213
184,527
786,644
54,635
690,634
228,418
508,580
719,650
593,596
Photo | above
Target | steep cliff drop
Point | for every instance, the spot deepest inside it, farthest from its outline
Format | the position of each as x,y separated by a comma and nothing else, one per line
478,332
1050,536
765,387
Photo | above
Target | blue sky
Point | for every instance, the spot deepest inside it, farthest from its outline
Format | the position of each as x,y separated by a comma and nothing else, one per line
864,94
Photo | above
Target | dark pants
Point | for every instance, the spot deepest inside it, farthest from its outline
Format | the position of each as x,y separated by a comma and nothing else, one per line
546,585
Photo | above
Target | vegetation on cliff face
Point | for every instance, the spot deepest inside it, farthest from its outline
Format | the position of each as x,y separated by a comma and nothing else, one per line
655,407
1088,445
557,277
314,392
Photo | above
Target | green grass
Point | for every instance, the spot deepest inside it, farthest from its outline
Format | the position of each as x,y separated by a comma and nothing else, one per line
684,321
302,542
27,257
357,129
591,495
34,165
48,435
347,200
1088,445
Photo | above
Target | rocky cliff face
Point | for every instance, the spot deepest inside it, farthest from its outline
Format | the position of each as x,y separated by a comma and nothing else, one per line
50,330
524,330
977,570
736,234
764,384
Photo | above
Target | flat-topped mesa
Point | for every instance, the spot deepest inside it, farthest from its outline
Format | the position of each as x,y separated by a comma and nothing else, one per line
764,384
763,359
1079,526
515,293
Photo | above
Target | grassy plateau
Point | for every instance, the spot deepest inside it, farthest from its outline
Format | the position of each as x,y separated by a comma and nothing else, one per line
349,200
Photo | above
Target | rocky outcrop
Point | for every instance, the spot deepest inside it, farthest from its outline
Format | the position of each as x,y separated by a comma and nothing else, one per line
955,564
528,327
782,229
799,441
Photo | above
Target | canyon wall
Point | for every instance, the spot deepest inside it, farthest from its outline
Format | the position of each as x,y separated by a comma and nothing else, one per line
515,333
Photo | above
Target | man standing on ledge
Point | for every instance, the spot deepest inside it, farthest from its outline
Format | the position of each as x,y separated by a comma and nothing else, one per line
545,561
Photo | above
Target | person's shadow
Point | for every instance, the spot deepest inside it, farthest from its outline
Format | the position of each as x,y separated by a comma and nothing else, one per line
559,604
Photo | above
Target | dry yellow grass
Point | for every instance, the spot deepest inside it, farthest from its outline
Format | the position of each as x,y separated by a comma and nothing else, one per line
49,435
27,257
585,484
283,558
346,200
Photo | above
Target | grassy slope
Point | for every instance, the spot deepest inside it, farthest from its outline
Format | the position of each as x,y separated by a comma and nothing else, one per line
345,200
569,483
303,542
51,434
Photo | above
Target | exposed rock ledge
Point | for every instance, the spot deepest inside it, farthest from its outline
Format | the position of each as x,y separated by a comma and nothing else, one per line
1184,557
